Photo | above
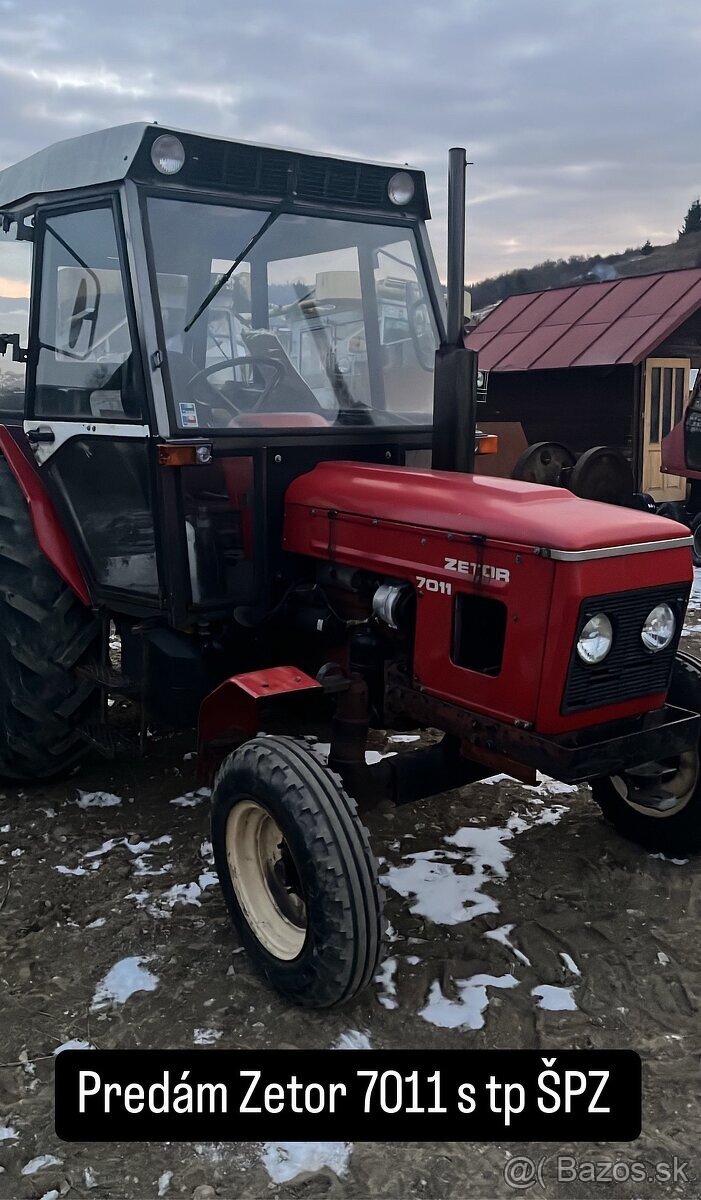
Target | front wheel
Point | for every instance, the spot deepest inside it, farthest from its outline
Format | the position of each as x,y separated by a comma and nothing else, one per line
297,873
658,805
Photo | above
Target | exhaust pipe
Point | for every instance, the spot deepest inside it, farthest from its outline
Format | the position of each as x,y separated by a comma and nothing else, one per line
455,380
457,166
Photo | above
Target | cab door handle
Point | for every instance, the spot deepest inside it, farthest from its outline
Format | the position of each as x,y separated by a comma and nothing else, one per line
34,436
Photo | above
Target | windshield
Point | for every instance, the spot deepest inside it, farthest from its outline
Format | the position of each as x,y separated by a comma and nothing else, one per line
323,322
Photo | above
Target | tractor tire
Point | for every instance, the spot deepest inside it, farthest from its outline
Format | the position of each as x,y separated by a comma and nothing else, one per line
673,510
675,829
297,873
45,633
696,535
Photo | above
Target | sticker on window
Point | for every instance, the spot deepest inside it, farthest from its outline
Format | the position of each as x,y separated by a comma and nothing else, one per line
188,414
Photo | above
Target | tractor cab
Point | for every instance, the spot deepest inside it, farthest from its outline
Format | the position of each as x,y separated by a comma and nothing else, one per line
208,320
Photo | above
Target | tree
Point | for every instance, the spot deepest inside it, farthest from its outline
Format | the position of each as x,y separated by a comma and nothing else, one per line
692,220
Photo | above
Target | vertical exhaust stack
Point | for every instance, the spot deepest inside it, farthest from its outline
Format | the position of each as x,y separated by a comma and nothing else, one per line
455,381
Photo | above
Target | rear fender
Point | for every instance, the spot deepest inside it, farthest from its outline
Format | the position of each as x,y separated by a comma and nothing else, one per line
49,532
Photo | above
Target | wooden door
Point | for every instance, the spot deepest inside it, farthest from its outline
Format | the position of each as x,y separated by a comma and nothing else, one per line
666,392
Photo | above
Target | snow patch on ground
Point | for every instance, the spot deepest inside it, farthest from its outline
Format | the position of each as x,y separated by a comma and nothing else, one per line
93,859
448,896
97,799
190,799
437,891
125,978
551,787
554,999
323,749
678,862
404,737
164,1182
374,756
206,1037
286,1160
503,934
469,1007
40,1162
570,963
385,979
74,1044
352,1039
7,1132
162,906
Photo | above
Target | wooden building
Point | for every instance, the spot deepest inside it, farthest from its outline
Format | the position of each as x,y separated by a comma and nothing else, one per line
595,364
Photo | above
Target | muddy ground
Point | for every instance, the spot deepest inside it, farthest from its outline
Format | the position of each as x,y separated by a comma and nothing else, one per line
606,934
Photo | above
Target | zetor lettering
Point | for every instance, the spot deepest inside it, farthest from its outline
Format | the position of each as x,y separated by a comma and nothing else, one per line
477,570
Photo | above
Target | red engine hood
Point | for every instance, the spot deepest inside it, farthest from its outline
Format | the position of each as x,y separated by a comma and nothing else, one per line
500,509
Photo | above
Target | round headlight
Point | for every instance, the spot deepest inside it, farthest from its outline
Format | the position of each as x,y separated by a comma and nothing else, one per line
595,639
659,627
400,188
167,154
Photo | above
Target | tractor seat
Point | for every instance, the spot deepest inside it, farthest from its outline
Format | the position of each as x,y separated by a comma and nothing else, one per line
292,394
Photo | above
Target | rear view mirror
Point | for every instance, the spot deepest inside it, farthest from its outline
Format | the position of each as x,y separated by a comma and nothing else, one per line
85,309
12,339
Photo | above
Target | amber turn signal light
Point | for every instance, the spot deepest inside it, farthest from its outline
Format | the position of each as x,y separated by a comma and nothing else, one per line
487,443
184,454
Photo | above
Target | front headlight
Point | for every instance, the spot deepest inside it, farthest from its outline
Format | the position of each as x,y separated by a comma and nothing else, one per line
168,154
595,639
659,627
400,188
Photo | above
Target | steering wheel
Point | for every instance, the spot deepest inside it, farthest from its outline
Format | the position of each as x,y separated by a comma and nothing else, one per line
244,359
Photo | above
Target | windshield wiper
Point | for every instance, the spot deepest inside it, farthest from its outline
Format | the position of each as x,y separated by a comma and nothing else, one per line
223,279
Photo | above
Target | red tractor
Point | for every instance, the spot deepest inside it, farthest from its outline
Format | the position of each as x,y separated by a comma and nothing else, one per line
217,438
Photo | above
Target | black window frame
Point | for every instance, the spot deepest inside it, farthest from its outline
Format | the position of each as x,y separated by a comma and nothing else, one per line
109,200
410,223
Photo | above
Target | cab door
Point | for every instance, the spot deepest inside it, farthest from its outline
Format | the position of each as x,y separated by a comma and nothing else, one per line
86,417
666,391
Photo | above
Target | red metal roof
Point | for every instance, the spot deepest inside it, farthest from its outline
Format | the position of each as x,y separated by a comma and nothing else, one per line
589,325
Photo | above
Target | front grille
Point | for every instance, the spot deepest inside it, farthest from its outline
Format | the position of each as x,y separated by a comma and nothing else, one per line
629,670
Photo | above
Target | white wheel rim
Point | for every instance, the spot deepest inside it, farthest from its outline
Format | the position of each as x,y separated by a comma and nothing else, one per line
682,785
255,853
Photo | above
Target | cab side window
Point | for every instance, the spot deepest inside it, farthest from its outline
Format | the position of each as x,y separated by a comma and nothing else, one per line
15,282
86,365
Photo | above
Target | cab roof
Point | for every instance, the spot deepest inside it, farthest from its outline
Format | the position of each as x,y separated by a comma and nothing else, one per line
108,156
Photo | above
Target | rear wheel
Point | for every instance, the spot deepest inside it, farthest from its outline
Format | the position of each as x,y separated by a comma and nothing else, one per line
297,873
45,634
659,804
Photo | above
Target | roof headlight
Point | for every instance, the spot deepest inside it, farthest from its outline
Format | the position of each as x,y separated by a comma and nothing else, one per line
595,639
168,154
400,188
659,628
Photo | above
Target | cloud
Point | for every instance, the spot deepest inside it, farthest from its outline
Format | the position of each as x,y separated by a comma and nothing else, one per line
580,117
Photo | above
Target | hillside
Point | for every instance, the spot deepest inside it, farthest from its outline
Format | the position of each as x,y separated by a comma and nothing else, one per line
579,269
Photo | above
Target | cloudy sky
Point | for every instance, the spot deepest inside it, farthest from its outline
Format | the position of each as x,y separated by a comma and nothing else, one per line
581,116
